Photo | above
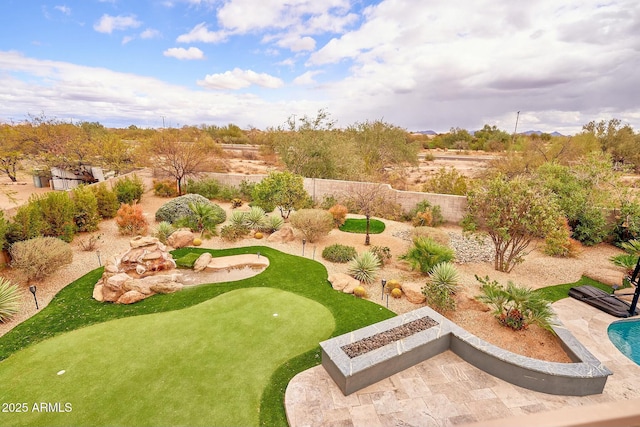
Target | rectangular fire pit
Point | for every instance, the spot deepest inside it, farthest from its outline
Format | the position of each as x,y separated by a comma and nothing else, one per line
364,357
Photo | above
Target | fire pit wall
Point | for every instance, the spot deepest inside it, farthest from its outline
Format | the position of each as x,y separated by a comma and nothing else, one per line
584,377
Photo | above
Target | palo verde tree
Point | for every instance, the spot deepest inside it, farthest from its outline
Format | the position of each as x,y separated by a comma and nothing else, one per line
12,150
513,213
283,190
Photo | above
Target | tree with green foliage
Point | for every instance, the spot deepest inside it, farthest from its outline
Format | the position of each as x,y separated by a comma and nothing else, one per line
616,139
490,138
85,207
283,190
12,151
513,213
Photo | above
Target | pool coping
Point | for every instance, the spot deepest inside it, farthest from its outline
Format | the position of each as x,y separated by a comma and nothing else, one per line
586,375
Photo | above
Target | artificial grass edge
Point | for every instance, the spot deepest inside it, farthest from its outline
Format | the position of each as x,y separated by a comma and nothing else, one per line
359,226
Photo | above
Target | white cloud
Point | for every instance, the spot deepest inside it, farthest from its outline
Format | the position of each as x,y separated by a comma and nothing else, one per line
238,79
108,24
127,39
182,53
63,9
306,78
297,44
200,33
150,33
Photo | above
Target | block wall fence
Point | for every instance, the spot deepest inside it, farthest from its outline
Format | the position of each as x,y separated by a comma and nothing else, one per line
453,207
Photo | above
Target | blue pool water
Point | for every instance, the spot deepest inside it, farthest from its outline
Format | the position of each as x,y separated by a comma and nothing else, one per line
625,335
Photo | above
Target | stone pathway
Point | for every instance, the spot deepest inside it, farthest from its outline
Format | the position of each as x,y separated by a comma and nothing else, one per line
445,390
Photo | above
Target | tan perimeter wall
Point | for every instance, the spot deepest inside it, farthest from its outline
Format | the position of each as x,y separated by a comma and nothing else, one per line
453,207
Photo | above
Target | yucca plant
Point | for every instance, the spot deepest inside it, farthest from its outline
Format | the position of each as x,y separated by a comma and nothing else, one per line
272,223
441,287
9,300
163,230
238,219
255,218
364,267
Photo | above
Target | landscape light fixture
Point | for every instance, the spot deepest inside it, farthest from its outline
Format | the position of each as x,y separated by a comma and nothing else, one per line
99,261
304,242
258,254
387,300
384,283
32,288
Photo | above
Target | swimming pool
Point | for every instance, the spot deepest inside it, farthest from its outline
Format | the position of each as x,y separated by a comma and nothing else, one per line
625,335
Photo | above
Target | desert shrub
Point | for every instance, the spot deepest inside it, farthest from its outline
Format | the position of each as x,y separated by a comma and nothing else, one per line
165,188
516,306
4,229
383,253
40,257
89,243
271,224
328,201
177,209
246,189
26,224
162,231
627,226
129,189
339,213
446,181
233,232
9,300
427,253
131,220
203,217
432,233
426,214
339,253
107,201
57,210
236,203
364,267
558,243
590,227
85,209
208,188
313,223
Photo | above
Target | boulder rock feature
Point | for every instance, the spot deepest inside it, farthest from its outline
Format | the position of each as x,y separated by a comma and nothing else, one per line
284,235
202,262
180,238
145,269
343,282
413,292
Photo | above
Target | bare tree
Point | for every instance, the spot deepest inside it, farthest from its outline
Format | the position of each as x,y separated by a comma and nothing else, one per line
367,199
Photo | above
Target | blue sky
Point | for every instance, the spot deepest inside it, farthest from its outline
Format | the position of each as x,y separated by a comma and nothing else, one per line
419,64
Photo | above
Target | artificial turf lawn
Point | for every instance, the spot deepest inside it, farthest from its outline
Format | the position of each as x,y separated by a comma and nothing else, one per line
73,308
204,365
356,225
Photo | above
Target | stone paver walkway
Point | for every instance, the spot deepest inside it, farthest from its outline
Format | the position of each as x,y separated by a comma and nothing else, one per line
445,390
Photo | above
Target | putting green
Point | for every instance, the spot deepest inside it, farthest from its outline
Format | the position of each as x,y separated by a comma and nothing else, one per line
204,365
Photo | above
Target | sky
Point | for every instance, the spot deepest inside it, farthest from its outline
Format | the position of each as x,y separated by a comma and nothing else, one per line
417,64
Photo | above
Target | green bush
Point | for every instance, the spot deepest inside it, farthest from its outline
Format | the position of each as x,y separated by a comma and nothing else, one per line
178,209
213,189
204,217
314,223
57,211
364,267
40,257
628,225
339,253
26,224
107,201
9,300
4,229
447,181
129,189
426,253
85,207
426,214
590,228
233,232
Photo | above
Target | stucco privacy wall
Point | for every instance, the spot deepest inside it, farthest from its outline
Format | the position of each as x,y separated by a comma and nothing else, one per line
453,207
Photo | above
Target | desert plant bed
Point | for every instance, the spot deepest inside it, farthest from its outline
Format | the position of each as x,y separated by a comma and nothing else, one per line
62,337
359,225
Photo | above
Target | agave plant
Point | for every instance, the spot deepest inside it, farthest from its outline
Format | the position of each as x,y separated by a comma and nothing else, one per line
364,267
445,275
163,230
9,300
255,218
238,219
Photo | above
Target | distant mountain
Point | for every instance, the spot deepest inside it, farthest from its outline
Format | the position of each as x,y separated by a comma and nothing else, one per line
537,132
426,132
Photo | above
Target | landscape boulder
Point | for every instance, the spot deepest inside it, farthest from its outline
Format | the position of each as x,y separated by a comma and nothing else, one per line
413,292
180,238
202,262
284,235
343,282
